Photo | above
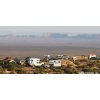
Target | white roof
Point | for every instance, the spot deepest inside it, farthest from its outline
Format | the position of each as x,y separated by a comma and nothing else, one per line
35,58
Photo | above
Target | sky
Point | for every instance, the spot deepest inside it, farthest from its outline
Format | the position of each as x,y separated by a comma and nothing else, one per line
70,30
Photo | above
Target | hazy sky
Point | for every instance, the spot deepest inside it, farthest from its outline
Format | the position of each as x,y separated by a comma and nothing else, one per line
71,30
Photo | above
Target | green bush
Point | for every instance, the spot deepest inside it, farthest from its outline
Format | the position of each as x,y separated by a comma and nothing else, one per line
10,66
1,62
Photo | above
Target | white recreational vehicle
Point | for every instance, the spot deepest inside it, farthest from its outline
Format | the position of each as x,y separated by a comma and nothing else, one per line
34,62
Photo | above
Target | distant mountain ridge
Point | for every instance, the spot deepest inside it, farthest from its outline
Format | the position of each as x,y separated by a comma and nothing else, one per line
50,35
87,36
58,35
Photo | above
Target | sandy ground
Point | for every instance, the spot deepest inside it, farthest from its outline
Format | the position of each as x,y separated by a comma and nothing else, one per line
39,51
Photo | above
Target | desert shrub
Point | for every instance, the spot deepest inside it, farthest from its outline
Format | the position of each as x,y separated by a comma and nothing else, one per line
21,71
1,62
10,66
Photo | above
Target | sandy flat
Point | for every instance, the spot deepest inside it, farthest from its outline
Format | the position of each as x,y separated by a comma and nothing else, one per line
39,51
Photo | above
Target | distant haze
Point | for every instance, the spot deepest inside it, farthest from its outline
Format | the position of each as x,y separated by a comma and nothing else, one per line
85,36
71,30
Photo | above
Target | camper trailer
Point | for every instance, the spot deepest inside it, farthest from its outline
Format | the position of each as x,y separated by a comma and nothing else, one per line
34,62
